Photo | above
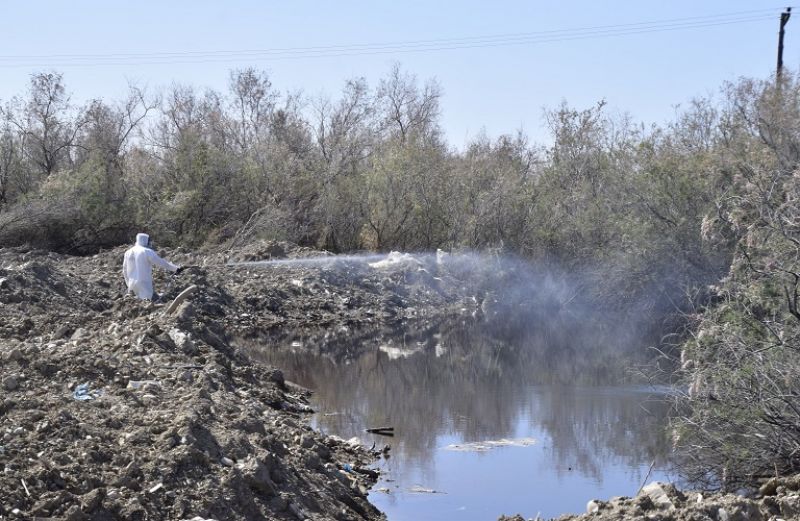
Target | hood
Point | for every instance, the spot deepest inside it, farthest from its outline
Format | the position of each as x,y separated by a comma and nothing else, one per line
142,239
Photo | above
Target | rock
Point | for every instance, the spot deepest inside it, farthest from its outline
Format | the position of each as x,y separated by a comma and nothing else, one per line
185,314
790,507
769,488
323,452
278,503
657,492
312,461
295,509
15,355
183,341
74,513
60,332
79,334
92,500
277,377
744,510
791,483
257,477
10,383
149,399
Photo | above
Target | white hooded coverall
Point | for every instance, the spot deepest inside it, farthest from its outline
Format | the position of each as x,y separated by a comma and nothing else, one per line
137,267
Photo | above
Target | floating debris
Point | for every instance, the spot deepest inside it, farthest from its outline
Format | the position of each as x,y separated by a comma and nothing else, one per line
417,489
483,446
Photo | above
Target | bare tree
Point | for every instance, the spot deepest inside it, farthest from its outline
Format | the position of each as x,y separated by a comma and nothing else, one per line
406,109
253,105
48,124
9,163
108,129
345,130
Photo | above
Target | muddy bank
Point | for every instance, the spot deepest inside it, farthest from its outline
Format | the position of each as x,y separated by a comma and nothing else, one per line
113,408
777,499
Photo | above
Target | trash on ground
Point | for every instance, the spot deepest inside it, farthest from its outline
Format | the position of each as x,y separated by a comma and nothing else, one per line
83,393
139,384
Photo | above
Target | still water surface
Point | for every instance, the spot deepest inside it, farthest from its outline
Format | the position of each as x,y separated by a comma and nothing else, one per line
595,432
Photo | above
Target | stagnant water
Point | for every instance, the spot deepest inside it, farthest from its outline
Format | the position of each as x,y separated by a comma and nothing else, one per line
577,426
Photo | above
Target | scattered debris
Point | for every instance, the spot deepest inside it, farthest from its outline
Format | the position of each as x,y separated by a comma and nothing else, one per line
417,489
83,393
142,384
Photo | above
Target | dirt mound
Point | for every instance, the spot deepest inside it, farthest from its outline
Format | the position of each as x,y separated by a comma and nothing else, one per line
113,409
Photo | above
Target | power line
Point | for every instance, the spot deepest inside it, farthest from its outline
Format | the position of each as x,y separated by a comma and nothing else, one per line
467,39
276,55
486,41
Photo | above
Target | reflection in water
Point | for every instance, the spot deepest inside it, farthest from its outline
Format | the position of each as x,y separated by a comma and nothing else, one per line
597,431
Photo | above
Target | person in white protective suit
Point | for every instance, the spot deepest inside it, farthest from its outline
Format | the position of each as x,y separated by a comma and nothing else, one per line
137,267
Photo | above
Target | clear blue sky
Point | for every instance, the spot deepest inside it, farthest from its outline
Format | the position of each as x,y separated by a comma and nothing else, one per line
501,88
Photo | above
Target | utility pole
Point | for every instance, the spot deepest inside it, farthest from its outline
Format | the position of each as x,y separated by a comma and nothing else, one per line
784,18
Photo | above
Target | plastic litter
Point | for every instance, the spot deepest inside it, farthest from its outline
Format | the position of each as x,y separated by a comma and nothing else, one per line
82,393
347,467
139,384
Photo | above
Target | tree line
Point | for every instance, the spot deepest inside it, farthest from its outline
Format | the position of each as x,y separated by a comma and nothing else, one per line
367,170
